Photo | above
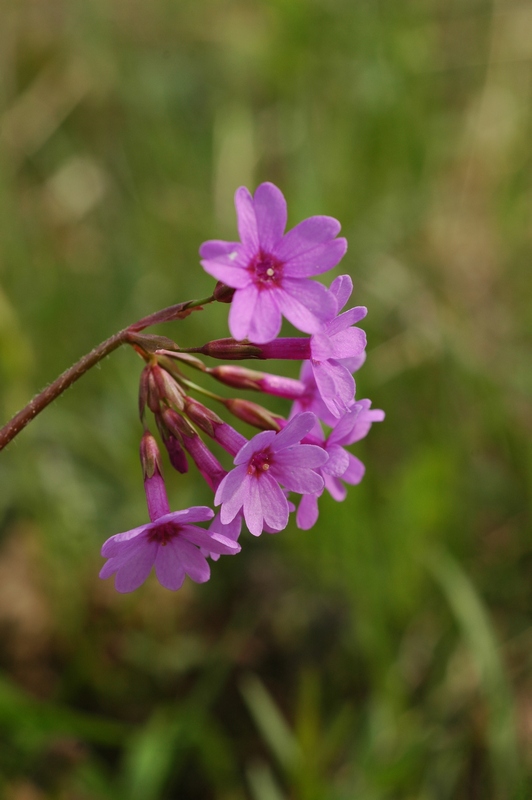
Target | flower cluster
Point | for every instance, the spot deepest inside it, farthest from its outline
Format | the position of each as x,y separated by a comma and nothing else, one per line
265,276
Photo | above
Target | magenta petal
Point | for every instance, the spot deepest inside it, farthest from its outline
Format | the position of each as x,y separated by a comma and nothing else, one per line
336,386
134,572
115,544
345,320
274,504
306,304
321,258
193,514
242,311
259,442
335,487
338,461
306,235
296,479
247,221
294,431
302,456
341,288
270,212
215,543
215,248
307,512
265,323
355,471
252,506
234,501
231,274
168,566
194,563
348,344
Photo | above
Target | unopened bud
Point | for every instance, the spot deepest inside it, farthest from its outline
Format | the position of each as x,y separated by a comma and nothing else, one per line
237,377
223,293
204,418
143,390
150,457
230,350
253,414
177,424
168,389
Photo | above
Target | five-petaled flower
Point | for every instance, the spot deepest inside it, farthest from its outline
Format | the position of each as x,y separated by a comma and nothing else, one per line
270,270
267,462
170,542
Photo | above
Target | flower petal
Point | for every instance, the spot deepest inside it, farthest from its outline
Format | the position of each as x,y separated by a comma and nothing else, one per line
307,512
273,503
242,311
213,542
258,443
293,432
306,235
270,212
247,220
194,564
168,566
317,260
134,572
342,288
306,304
355,471
345,320
216,248
252,506
193,514
115,544
336,386
302,456
265,323
232,275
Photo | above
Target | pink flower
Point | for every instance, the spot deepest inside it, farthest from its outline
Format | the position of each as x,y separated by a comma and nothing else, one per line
169,542
266,462
270,270
342,466
337,350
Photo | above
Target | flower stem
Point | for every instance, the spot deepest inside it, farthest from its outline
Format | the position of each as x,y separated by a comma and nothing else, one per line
71,375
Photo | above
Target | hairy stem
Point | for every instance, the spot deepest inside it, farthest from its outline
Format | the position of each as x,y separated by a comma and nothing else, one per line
71,375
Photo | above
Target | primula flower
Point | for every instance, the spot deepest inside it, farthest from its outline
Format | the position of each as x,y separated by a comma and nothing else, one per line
270,270
337,350
342,466
169,542
266,462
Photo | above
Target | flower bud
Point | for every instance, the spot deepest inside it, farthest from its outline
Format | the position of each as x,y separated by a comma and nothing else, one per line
230,350
150,457
253,414
168,389
202,416
223,293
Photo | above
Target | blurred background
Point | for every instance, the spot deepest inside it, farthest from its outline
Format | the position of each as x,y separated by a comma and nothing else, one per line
387,653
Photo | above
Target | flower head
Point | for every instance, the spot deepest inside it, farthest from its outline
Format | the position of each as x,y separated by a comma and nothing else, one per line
170,542
341,466
270,270
267,462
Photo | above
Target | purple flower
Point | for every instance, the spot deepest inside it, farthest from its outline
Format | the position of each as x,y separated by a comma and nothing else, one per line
169,542
270,270
337,349
342,466
266,462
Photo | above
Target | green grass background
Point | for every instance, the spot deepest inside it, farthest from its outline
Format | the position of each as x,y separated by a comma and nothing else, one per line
387,653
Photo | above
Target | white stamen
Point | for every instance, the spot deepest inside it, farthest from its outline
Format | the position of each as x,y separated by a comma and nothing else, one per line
270,272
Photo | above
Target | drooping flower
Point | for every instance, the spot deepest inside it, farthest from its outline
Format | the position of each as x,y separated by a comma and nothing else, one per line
267,462
170,542
270,270
342,466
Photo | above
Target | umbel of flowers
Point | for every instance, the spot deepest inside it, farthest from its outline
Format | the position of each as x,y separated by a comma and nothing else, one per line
265,276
